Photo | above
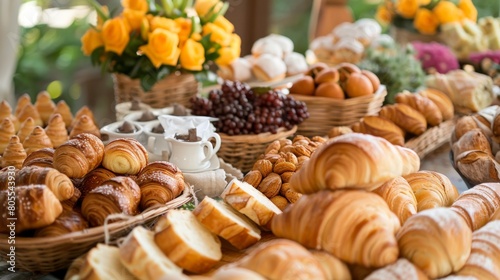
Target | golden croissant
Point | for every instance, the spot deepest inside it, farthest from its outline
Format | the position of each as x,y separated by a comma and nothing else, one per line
84,111
7,130
25,129
437,240
29,111
382,127
79,155
405,117
37,140
14,154
41,158
23,100
332,266
355,226
125,156
6,112
84,124
422,104
56,130
63,109
442,101
432,189
399,197
94,179
402,269
69,221
354,161
45,106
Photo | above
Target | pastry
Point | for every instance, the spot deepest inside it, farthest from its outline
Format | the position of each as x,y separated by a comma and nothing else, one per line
35,207
125,156
347,50
472,140
14,154
266,46
7,130
29,111
495,124
381,127
239,70
295,64
84,124
69,221
269,68
399,197
45,106
79,155
71,203
84,111
94,179
56,130
332,266
400,270
37,140
339,130
23,100
233,273
438,241
478,167
422,104
432,189
116,195
187,242
442,101
6,112
353,161
25,129
359,220
41,158
285,43
63,109
405,117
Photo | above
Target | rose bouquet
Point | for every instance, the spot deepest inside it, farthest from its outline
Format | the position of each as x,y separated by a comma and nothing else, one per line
425,16
150,39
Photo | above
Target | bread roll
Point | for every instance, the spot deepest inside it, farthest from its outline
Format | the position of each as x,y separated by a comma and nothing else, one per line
7,130
400,270
239,70
79,156
432,189
472,140
37,140
405,117
422,104
354,161
187,242
269,68
69,221
25,129
332,266
399,197
14,154
125,156
56,130
478,167
442,101
384,128
437,240
41,158
464,125
45,106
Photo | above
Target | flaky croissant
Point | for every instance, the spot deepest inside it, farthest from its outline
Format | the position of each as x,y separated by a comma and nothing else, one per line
56,130
354,225
125,156
84,124
22,101
41,158
94,179
332,266
422,104
354,161
6,113
399,197
400,270
63,109
44,105
160,182
382,127
14,154
432,189
84,110
25,129
7,130
69,221
29,111
79,155
405,117
442,101
37,140
436,240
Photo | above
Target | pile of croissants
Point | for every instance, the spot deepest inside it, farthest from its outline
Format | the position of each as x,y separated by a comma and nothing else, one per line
410,116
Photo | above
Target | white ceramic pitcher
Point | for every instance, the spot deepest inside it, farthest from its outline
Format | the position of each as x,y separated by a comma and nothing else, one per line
192,156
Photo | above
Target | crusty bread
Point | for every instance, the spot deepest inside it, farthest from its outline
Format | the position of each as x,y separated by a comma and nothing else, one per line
187,242
103,263
140,255
223,220
249,201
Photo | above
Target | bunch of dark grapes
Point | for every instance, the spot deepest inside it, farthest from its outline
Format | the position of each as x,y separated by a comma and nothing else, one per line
294,111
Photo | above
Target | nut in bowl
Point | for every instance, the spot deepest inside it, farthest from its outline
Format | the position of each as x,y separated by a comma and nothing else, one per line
121,129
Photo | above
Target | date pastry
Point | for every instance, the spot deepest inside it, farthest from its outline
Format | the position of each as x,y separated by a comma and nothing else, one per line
37,140
45,106
14,154
125,156
79,155
25,129
41,158
7,130
84,124
56,130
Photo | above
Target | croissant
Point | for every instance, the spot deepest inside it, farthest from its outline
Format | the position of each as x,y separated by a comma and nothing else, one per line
29,111
484,260
35,207
496,215
23,100
41,158
405,117
37,140
125,156
25,129
400,270
69,204
69,221
160,182
7,130
6,112
478,167
339,130
56,130
422,104
432,189
84,111
84,125
45,106
400,197
79,155
14,154
63,109
478,204
353,161
384,128
442,101
117,195
333,267
361,221
94,179
437,240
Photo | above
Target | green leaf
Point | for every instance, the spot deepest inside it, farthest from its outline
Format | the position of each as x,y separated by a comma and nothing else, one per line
98,9
95,56
147,82
164,71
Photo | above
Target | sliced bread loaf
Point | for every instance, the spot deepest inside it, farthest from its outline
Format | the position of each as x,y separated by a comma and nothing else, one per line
103,263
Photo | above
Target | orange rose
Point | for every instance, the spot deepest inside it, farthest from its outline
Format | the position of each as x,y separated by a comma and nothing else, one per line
164,23
407,8
162,48
115,35
447,12
136,5
425,22
192,55
383,15
202,7
184,25
225,24
91,40
468,8
217,34
134,18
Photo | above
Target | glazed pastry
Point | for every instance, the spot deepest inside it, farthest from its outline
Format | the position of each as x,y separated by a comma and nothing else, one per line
56,130
432,189
37,140
399,197
269,68
160,182
29,111
125,156
361,221
14,154
84,111
36,207
84,124
6,112
381,127
422,104
239,70
117,195
405,117
41,158
266,46
187,242
353,161
23,100
63,109
347,50
285,43
45,106
79,155
478,167
472,140
402,269
25,129
438,241
94,179
7,130
295,64
67,222
332,266
478,204
442,101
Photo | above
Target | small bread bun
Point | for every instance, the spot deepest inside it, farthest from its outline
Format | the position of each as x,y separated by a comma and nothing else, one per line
269,68
331,90
344,30
348,50
239,70
285,43
295,64
267,46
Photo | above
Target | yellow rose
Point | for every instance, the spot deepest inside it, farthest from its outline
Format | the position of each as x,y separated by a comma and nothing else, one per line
447,12
184,25
162,48
383,15
164,23
235,43
91,40
407,8
202,7
100,20
115,35
424,2
468,8
134,18
217,34
192,55
225,24
137,5
226,56
425,22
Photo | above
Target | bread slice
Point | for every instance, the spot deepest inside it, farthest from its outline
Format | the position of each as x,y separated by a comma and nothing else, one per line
251,202
103,263
187,242
140,255
223,220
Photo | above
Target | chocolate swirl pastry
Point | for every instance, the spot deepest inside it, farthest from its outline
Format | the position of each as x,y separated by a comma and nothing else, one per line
147,116
126,127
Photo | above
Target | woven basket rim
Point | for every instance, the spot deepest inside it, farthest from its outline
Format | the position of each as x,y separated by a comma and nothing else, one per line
343,102
258,138
432,138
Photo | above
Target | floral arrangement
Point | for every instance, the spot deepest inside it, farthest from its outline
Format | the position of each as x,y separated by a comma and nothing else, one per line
435,57
148,40
425,16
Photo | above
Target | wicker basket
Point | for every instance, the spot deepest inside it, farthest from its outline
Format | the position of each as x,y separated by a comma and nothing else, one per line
432,138
174,88
242,151
325,113
50,254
